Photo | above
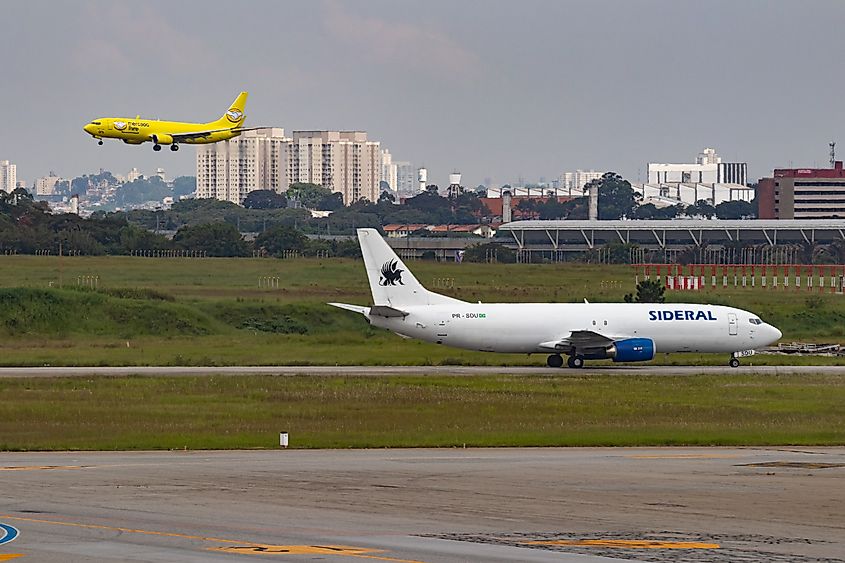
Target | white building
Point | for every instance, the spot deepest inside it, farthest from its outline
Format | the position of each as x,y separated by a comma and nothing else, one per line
47,184
405,178
8,176
714,193
707,168
573,182
388,170
255,160
342,161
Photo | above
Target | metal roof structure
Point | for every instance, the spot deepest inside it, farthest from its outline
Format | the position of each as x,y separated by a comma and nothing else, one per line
676,233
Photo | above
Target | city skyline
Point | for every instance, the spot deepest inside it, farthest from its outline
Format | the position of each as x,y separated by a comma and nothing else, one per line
492,89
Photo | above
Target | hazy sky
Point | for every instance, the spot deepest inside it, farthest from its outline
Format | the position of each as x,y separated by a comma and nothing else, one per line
495,89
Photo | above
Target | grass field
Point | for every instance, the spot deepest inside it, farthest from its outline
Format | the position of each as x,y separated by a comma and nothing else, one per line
340,412
212,312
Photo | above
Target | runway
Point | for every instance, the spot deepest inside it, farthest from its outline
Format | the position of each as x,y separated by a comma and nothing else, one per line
431,505
175,371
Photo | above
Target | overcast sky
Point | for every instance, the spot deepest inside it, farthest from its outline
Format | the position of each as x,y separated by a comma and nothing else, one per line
495,89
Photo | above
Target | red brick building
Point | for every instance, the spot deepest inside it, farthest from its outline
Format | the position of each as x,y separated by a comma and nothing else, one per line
803,193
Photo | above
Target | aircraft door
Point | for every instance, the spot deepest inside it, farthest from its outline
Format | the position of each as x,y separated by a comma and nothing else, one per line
732,325
442,330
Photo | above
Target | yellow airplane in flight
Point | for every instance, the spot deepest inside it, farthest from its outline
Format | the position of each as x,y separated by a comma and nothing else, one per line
136,131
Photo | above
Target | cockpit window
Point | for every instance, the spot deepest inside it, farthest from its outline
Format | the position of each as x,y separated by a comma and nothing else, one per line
755,321
96,123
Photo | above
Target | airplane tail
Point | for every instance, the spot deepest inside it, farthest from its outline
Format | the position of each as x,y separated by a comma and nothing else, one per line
236,115
391,282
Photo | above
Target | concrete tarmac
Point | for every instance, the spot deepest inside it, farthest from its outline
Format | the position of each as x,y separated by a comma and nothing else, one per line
621,370
432,505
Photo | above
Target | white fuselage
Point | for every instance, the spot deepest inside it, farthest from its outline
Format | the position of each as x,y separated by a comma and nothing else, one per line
521,327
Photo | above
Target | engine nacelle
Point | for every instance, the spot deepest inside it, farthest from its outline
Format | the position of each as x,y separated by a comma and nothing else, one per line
132,141
632,350
162,139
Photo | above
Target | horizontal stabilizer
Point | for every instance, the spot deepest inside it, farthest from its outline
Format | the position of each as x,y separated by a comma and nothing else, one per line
354,308
385,311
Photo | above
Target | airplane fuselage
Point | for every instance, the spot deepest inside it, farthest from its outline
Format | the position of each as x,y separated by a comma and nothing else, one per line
136,130
522,327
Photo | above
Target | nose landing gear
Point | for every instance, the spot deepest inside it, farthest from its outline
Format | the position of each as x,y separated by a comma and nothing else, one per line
156,148
100,142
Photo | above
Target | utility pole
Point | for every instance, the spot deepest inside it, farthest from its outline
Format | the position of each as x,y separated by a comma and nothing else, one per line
832,154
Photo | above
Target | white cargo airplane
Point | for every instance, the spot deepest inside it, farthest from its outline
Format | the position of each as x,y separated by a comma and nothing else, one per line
623,332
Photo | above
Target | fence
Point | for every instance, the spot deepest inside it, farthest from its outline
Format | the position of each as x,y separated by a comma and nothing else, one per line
88,281
821,278
269,282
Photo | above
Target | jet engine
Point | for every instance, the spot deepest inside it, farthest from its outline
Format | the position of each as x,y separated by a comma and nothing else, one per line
162,139
132,141
632,350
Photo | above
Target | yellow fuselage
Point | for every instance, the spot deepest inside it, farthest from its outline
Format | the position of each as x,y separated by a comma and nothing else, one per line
138,130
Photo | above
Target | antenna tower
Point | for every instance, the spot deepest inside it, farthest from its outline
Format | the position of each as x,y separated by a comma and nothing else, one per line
833,154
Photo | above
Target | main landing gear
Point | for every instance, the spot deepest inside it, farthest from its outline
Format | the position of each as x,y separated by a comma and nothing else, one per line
174,147
734,363
556,361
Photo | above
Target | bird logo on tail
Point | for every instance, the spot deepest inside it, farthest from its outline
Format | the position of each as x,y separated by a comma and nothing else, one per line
391,274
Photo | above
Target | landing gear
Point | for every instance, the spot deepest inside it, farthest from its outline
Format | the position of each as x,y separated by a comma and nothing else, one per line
734,363
174,147
156,148
575,362
100,142
554,361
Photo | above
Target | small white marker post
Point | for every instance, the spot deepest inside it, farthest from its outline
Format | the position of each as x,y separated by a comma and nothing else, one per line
283,439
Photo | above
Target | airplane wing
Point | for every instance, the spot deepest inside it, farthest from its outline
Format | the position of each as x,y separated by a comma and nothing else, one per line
581,339
194,135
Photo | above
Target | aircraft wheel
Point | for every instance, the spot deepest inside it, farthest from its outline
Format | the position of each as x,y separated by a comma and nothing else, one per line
100,142
734,363
174,147
575,362
554,361
156,148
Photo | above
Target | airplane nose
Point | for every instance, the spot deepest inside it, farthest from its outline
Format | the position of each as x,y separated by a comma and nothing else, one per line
88,129
776,333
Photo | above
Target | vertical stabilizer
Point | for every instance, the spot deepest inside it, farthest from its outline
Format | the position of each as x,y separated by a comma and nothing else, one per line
391,282
236,115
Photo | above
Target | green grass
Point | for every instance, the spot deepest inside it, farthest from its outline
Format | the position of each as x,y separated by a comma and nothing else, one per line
211,311
436,411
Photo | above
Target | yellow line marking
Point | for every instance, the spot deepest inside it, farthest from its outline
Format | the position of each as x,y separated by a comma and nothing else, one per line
630,544
362,552
263,549
38,467
7,556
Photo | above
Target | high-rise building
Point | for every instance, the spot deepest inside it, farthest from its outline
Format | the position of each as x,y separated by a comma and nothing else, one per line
255,160
405,178
133,175
574,182
8,176
708,168
388,170
47,184
803,193
342,161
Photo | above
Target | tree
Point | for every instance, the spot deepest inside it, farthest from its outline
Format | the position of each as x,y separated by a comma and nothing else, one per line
215,239
616,196
184,185
490,252
700,208
648,291
736,209
281,239
265,199
308,195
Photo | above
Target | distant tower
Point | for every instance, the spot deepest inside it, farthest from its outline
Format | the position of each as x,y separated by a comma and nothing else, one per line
74,204
455,188
506,206
593,201
422,177
833,154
